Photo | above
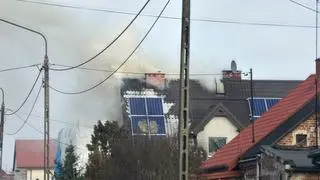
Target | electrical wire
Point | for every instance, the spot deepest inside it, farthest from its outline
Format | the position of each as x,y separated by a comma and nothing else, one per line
26,99
18,68
109,45
36,129
27,119
304,6
138,73
170,17
128,58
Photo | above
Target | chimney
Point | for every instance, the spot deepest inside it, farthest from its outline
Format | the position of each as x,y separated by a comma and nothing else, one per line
233,74
318,68
157,80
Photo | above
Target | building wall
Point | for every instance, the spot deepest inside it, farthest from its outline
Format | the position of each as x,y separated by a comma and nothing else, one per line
217,127
30,174
306,127
305,176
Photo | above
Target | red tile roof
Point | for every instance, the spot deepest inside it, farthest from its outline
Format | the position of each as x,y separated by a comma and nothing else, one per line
29,153
228,174
231,152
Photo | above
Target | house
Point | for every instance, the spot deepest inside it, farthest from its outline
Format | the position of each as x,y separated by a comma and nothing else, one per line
29,159
283,139
216,116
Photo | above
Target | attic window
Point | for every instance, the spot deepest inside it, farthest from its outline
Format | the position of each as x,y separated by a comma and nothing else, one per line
216,143
301,140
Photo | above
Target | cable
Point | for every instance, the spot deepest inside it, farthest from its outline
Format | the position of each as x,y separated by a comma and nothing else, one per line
60,121
304,6
108,77
139,73
25,100
18,68
171,17
36,129
108,46
26,120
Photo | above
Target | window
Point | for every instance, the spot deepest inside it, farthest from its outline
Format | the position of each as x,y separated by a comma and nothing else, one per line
216,143
301,140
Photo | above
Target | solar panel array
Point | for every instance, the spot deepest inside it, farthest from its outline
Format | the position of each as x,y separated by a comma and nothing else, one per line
261,105
147,116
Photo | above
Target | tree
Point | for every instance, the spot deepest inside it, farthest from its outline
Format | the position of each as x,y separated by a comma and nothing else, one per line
70,169
116,154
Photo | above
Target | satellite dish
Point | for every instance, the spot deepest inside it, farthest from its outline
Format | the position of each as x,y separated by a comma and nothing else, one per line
233,66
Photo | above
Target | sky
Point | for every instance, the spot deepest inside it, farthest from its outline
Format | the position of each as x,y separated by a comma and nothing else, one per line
76,35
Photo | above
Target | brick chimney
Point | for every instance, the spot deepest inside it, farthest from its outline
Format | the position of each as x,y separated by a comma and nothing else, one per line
233,73
318,68
157,80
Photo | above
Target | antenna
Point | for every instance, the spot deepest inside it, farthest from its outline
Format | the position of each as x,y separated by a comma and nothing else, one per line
233,66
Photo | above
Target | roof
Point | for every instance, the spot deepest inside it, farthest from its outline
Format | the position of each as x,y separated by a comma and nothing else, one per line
298,158
203,102
220,110
230,153
218,176
30,153
261,88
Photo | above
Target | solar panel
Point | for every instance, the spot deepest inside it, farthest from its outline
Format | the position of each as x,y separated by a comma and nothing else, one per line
137,106
261,105
147,116
271,102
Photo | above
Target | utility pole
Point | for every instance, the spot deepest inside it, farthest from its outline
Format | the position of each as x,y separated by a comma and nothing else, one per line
184,92
1,128
46,119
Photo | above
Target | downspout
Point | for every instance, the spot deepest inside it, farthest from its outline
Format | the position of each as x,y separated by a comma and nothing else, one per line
258,167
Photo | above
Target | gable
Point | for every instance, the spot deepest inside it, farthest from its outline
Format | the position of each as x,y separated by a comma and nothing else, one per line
219,111
275,121
307,128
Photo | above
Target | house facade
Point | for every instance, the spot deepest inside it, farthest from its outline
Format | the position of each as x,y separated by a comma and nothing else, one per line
29,158
216,116
281,144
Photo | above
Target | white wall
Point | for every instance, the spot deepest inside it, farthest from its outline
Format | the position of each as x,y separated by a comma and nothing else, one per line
31,174
217,127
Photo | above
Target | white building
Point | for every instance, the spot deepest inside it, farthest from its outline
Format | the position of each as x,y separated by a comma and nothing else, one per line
29,159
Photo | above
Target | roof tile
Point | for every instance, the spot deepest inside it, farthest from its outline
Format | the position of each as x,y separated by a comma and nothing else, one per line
30,153
231,152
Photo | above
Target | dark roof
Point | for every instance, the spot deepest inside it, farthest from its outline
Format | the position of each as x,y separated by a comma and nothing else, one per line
221,110
261,88
298,158
269,122
203,102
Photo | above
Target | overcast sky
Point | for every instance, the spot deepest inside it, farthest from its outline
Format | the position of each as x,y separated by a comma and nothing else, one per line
75,35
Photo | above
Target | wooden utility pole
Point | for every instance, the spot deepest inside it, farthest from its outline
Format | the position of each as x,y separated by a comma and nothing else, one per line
184,92
46,120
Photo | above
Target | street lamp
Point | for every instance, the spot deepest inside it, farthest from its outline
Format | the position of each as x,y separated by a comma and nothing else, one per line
46,98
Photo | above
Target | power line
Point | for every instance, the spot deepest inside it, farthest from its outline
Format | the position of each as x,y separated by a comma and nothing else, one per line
304,6
60,121
172,17
26,99
18,68
138,73
128,58
108,46
26,120
36,129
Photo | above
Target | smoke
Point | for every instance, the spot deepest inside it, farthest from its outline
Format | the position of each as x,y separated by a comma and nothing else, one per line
75,36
